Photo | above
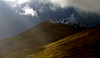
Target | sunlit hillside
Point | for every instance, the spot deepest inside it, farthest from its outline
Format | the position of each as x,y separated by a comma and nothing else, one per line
42,34
85,44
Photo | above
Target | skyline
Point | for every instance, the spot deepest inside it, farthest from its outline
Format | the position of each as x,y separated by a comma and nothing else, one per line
17,17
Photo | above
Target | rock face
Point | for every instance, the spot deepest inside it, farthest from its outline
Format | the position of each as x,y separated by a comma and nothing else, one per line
85,44
44,33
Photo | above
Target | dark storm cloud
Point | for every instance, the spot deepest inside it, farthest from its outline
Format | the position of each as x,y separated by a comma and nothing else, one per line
60,9
45,12
92,6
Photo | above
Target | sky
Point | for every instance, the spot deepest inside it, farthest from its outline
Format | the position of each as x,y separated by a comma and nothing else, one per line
17,16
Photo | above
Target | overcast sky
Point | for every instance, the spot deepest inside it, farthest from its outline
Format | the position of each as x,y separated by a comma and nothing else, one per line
17,16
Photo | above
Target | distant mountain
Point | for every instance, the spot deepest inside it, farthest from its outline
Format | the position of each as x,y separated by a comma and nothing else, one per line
71,21
85,44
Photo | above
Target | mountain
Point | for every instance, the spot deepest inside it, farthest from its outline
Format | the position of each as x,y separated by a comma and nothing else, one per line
42,34
71,21
85,44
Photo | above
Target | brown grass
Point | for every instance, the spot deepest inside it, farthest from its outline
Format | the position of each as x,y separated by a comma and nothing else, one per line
25,43
85,44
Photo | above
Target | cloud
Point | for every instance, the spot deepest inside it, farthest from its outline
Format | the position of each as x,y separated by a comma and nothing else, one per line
22,7
28,11
92,6
18,1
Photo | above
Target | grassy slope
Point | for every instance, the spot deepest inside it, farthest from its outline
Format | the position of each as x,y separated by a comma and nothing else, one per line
23,44
85,44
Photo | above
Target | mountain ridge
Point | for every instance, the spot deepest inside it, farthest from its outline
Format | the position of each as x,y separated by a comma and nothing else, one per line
39,35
